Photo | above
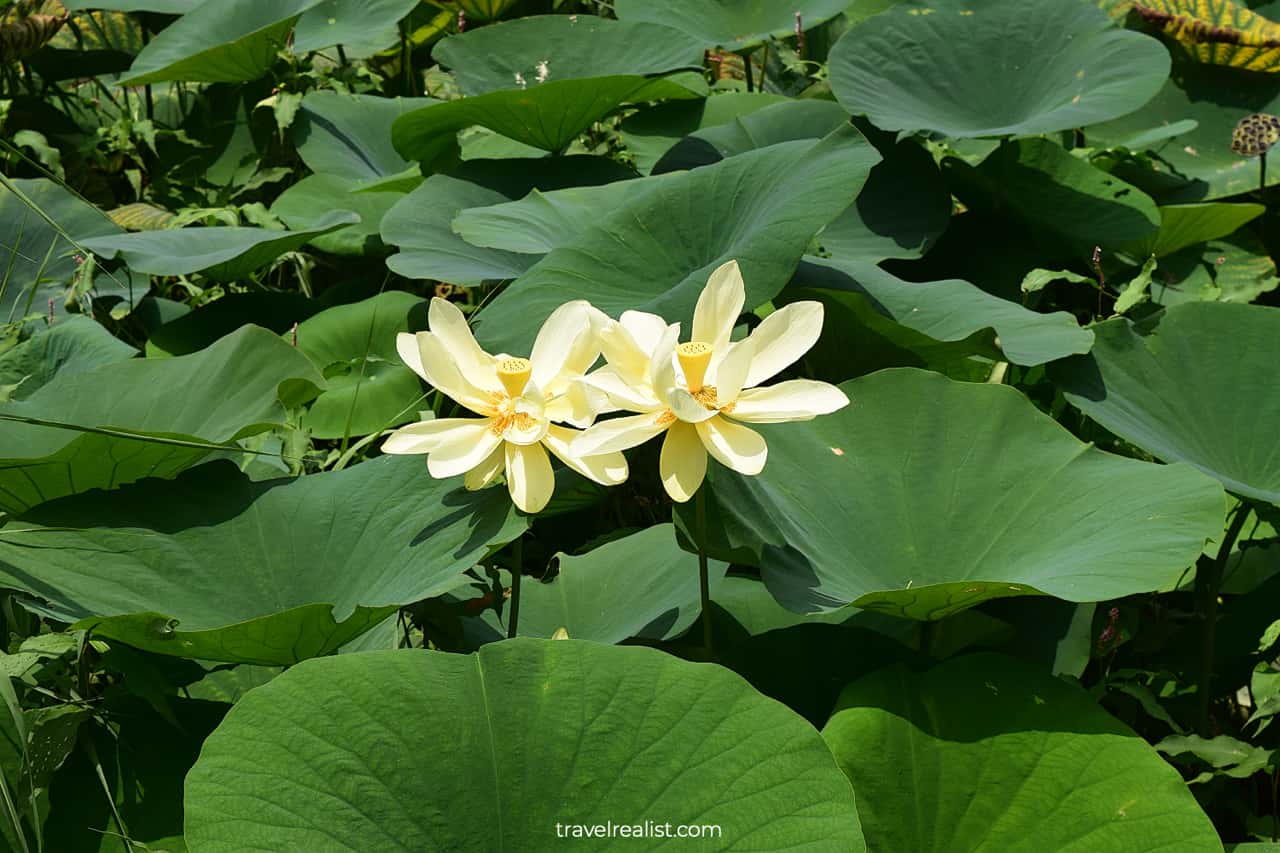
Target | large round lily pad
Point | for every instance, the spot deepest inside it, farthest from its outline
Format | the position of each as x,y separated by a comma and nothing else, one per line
530,51
217,567
986,753
1193,384
935,495
731,24
972,68
510,749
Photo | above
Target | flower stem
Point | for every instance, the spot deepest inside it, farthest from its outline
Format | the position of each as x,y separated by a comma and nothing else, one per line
1210,585
1262,177
517,569
704,581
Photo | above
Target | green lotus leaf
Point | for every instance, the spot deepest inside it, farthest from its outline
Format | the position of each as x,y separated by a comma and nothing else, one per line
950,311
362,27
349,136
315,759
369,387
731,24
528,52
936,495
230,41
421,223
146,417
640,585
985,752
1068,204
1174,385
74,344
1199,164
974,68
654,253
214,566
547,116
223,253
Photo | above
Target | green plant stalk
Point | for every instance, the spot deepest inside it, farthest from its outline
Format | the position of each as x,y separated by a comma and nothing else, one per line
1209,588
149,439
1262,173
517,569
704,580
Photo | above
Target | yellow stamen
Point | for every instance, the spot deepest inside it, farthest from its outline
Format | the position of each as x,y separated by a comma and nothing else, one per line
514,373
522,421
694,358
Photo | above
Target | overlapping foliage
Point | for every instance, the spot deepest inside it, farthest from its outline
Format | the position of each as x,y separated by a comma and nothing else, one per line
1018,594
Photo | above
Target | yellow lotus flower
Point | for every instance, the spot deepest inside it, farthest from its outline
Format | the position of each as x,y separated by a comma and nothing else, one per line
701,392
517,400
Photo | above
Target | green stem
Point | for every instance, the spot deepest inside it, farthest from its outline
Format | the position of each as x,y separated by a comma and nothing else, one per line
1210,585
746,65
517,569
1262,177
406,56
704,580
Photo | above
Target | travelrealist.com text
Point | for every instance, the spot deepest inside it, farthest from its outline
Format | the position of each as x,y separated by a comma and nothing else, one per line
646,829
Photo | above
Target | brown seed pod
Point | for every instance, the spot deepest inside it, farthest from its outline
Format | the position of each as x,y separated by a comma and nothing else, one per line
1255,134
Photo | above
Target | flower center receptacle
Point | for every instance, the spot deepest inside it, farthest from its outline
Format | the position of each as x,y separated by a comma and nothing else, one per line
514,374
694,358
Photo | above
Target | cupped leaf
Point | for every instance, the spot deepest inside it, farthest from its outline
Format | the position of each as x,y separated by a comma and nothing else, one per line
299,205
985,752
731,24
655,252
146,417
900,213
641,585
547,116
951,311
223,253
539,222
650,132
230,41
1178,383
316,758
1184,225
973,68
362,27
936,495
528,52
421,223
349,136
1074,205
216,567
75,344
782,122
369,387
1216,98
1221,33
